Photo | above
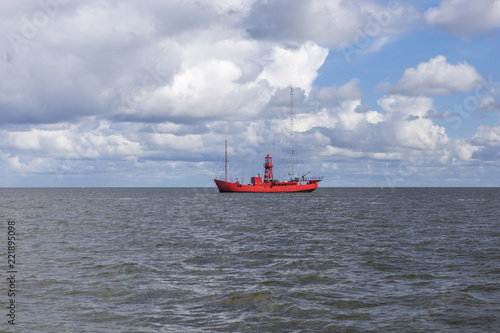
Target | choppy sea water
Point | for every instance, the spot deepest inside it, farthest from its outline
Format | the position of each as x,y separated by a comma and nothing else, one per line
195,260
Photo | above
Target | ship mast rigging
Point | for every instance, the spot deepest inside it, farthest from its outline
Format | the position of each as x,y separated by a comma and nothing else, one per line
292,153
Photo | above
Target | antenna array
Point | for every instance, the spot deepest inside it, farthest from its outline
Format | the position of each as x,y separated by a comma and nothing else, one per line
292,153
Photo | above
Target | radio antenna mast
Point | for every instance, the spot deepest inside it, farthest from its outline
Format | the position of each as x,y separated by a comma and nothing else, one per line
225,158
292,172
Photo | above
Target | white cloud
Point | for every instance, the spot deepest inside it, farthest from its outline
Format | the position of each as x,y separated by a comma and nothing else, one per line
334,23
433,114
397,133
398,106
489,103
436,77
463,150
206,81
167,141
233,6
464,16
417,133
39,140
403,136
333,96
487,136
486,143
74,142
294,67
352,120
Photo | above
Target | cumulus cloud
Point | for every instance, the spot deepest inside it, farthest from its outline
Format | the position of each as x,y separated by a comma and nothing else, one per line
400,137
409,126
465,17
72,142
333,23
487,143
435,77
333,95
402,126
295,67
154,62
487,136
489,103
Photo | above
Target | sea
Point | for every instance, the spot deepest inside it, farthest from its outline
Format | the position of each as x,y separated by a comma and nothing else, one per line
196,260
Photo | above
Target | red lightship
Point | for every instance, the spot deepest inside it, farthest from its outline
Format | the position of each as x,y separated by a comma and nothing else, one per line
294,184
302,184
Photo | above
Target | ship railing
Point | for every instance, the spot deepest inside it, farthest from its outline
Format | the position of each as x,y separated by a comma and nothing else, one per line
311,178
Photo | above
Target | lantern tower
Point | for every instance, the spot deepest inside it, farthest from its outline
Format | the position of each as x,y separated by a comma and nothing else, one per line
268,166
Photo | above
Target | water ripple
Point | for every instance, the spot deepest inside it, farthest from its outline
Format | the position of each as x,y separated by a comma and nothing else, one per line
335,260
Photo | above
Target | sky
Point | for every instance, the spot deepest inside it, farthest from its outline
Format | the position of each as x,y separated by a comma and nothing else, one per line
127,93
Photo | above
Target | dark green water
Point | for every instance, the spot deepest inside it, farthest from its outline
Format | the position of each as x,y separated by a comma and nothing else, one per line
195,260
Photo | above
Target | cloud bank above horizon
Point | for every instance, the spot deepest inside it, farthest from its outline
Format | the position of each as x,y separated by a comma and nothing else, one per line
118,93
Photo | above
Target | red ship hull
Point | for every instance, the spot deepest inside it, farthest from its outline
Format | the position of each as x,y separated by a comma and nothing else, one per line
269,187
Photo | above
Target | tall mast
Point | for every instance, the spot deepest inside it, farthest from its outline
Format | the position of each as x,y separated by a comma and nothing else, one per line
225,158
292,172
